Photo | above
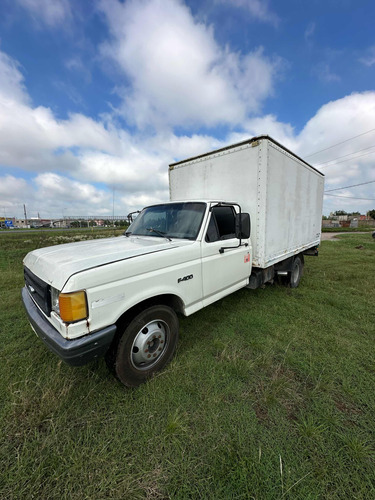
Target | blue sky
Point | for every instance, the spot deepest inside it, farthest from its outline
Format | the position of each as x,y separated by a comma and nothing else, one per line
99,97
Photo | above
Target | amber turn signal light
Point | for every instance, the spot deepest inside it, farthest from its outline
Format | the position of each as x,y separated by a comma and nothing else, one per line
73,306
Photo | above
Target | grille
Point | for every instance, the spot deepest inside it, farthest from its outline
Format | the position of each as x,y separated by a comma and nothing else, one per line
39,291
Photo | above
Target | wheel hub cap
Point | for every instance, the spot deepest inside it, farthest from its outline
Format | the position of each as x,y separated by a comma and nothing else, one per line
149,344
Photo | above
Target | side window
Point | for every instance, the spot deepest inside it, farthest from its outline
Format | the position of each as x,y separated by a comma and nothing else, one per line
222,224
212,232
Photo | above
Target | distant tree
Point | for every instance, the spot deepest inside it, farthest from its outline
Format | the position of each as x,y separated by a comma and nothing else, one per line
340,212
371,213
324,217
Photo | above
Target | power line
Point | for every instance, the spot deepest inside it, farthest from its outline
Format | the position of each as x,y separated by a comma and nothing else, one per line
344,156
347,187
337,144
352,197
349,159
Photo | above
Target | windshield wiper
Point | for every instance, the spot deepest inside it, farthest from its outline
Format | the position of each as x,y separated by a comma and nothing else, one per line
127,233
160,233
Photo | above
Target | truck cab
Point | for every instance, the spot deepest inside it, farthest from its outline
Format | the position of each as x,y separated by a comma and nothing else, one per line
120,296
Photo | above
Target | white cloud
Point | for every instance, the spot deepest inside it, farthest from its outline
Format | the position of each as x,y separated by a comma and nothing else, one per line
12,89
309,32
55,187
335,122
175,148
70,91
34,139
135,202
11,193
177,73
325,74
50,12
92,151
258,9
369,58
267,125
138,172
67,157
52,195
77,65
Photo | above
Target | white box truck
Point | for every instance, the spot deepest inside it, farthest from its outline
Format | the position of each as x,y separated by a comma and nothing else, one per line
237,217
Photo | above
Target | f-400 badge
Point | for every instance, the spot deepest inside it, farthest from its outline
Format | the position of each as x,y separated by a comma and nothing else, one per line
185,278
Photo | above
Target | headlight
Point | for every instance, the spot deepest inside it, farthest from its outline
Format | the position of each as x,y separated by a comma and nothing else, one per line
55,300
69,306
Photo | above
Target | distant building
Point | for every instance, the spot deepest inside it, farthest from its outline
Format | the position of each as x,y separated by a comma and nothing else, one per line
348,221
330,223
7,222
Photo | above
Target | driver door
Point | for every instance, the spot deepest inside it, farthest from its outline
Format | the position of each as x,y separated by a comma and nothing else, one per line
225,272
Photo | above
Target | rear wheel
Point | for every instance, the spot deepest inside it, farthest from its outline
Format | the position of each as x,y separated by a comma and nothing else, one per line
147,345
295,274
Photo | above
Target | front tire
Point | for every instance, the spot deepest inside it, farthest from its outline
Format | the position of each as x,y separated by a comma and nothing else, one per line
147,345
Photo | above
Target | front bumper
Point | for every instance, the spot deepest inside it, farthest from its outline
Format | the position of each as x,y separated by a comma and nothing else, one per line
75,352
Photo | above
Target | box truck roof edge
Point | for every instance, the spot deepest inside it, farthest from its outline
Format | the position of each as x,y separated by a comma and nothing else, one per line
243,143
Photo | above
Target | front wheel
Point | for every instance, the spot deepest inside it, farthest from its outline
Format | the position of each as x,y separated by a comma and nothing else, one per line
147,345
296,273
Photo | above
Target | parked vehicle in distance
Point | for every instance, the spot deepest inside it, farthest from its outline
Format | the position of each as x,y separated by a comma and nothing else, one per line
237,217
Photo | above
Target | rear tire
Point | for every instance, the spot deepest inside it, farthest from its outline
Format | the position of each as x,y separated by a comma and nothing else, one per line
147,345
295,274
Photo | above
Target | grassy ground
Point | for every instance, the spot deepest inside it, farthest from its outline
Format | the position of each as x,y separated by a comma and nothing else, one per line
360,229
271,396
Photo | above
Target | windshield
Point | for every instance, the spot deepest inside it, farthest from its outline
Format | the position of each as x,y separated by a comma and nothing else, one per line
172,220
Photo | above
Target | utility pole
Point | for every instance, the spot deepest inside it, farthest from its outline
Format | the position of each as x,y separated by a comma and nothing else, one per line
24,210
113,206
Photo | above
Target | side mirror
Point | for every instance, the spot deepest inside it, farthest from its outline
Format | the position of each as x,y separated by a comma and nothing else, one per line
243,226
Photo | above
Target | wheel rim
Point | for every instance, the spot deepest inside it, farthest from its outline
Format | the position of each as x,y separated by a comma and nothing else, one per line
149,344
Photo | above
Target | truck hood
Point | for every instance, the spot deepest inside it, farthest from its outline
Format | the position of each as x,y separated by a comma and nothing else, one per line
54,265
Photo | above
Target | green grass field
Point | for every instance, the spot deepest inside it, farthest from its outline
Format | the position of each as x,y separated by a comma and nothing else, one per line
271,396
360,229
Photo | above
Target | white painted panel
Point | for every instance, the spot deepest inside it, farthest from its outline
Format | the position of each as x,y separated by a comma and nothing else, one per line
282,194
293,206
228,176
